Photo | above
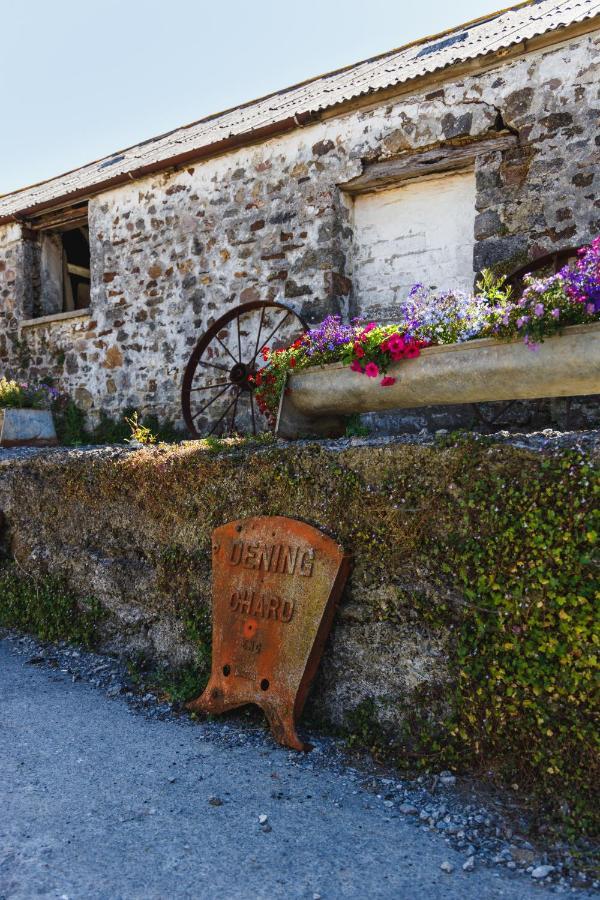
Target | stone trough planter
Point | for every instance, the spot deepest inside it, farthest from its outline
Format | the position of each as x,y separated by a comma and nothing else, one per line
27,428
319,400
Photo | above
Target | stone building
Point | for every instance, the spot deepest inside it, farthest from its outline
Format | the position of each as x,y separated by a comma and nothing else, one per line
478,147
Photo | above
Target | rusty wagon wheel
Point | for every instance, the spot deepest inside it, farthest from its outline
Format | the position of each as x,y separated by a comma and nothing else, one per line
217,394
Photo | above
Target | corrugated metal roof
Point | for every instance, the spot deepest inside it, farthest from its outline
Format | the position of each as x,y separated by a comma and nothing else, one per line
296,104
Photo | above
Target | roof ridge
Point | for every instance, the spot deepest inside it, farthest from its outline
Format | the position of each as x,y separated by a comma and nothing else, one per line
300,103
371,59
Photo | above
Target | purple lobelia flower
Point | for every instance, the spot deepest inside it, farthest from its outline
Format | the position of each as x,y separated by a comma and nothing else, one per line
582,279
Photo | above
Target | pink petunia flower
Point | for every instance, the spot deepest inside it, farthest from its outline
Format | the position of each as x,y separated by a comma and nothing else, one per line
387,381
395,343
356,366
371,370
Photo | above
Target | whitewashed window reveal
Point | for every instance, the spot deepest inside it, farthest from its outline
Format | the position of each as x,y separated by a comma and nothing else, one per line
421,231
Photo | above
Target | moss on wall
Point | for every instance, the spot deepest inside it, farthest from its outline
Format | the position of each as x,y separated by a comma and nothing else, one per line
468,632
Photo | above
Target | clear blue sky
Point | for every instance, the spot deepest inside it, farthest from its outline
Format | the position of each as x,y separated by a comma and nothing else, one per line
80,79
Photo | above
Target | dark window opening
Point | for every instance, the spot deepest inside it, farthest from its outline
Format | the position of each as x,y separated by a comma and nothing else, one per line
62,282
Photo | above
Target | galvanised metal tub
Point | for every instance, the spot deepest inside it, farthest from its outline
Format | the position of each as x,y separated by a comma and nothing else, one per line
319,399
27,428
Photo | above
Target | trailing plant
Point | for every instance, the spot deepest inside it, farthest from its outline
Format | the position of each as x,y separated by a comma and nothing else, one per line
545,307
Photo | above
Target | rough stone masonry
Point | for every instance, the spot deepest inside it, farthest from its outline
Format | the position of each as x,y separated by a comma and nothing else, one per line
173,251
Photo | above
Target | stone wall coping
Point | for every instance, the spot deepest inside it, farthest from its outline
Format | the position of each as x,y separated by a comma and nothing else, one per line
56,317
545,441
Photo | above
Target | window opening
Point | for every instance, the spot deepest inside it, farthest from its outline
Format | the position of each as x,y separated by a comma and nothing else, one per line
62,281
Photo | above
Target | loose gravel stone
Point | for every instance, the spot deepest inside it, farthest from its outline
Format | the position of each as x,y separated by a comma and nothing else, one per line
542,871
407,809
464,821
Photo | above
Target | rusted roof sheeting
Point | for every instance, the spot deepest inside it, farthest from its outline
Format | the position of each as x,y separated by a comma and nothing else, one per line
295,106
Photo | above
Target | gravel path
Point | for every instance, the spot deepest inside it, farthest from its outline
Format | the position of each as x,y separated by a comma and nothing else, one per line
100,799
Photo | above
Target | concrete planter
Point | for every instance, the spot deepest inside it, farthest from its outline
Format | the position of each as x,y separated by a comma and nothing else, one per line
27,428
319,400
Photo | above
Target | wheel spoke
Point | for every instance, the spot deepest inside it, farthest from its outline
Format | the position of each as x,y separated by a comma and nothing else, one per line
213,365
210,402
277,327
208,387
262,318
219,420
220,380
226,349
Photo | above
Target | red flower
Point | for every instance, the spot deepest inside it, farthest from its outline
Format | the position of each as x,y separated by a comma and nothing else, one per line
292,362
358,351
371,370
395,343
356,366
387,381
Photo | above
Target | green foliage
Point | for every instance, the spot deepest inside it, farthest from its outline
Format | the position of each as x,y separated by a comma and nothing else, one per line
29,395
69,421
11,394
174,685
363,729
111,431
140,432
355,428
494,288
47,608
522,547
72,430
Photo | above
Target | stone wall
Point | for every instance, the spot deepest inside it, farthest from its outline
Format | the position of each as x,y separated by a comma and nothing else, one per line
171,253
132,529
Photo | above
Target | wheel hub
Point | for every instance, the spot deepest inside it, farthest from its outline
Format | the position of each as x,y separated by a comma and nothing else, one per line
239,375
